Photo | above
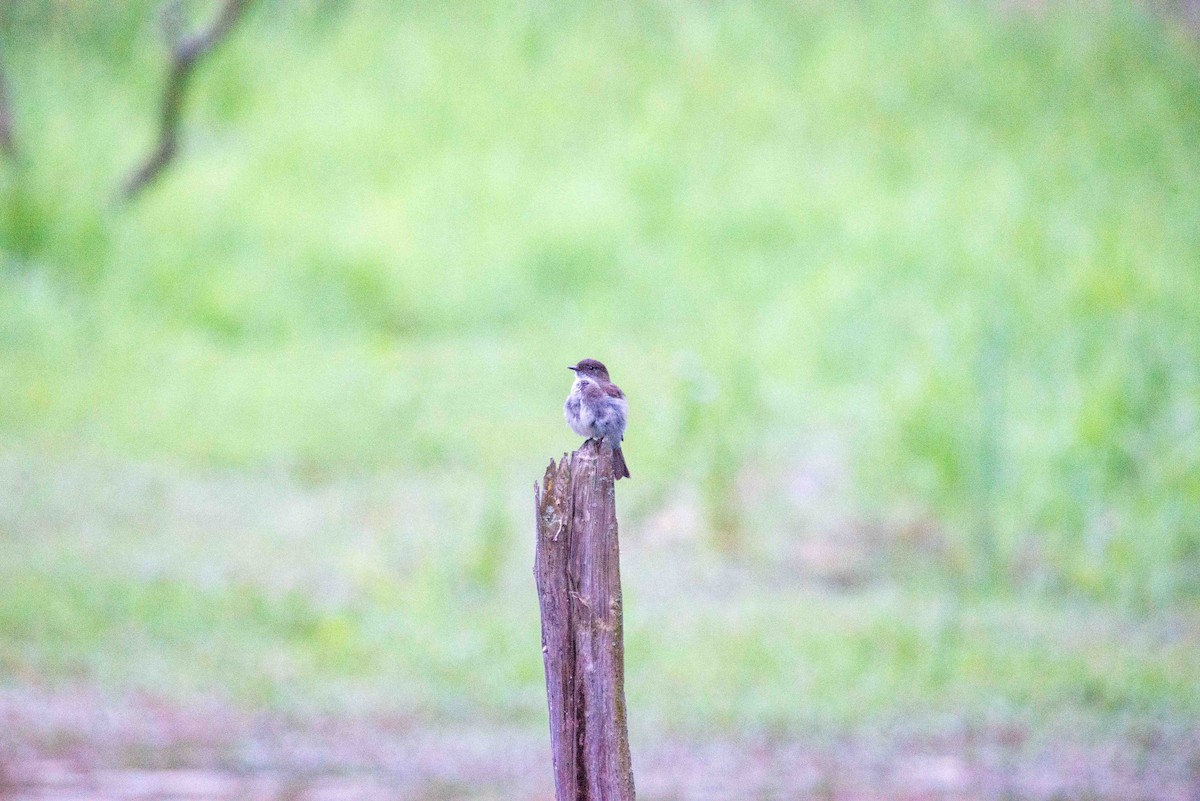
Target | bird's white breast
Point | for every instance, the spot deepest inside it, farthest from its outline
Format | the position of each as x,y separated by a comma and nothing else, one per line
579,415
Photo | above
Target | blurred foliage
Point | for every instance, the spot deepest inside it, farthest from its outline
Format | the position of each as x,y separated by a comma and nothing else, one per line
369,598
960,241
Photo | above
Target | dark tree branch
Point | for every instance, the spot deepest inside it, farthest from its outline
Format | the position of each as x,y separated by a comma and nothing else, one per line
8,144
186,53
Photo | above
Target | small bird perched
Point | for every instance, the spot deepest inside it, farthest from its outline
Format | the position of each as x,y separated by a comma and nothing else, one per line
596,409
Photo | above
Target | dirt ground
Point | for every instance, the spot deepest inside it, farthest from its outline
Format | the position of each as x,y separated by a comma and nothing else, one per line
80,747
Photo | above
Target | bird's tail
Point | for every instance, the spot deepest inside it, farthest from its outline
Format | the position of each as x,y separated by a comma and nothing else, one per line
620,470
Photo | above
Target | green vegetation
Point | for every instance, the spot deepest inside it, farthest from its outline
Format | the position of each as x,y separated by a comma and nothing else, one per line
915,283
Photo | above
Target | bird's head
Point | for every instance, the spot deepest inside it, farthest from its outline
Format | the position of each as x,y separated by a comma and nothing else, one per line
590,368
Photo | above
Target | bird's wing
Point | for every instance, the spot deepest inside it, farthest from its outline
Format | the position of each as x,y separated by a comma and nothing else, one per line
613,391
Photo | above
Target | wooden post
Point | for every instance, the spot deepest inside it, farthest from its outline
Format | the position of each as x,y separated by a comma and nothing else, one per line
578,573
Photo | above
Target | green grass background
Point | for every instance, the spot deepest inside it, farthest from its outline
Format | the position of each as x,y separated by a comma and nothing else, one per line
918,283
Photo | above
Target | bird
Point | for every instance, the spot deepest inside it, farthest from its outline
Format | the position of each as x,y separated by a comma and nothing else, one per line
596,408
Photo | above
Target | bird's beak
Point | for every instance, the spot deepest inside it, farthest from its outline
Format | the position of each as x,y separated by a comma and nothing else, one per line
572,369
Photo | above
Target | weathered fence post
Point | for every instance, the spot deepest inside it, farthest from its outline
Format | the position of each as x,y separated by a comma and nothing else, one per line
578,573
